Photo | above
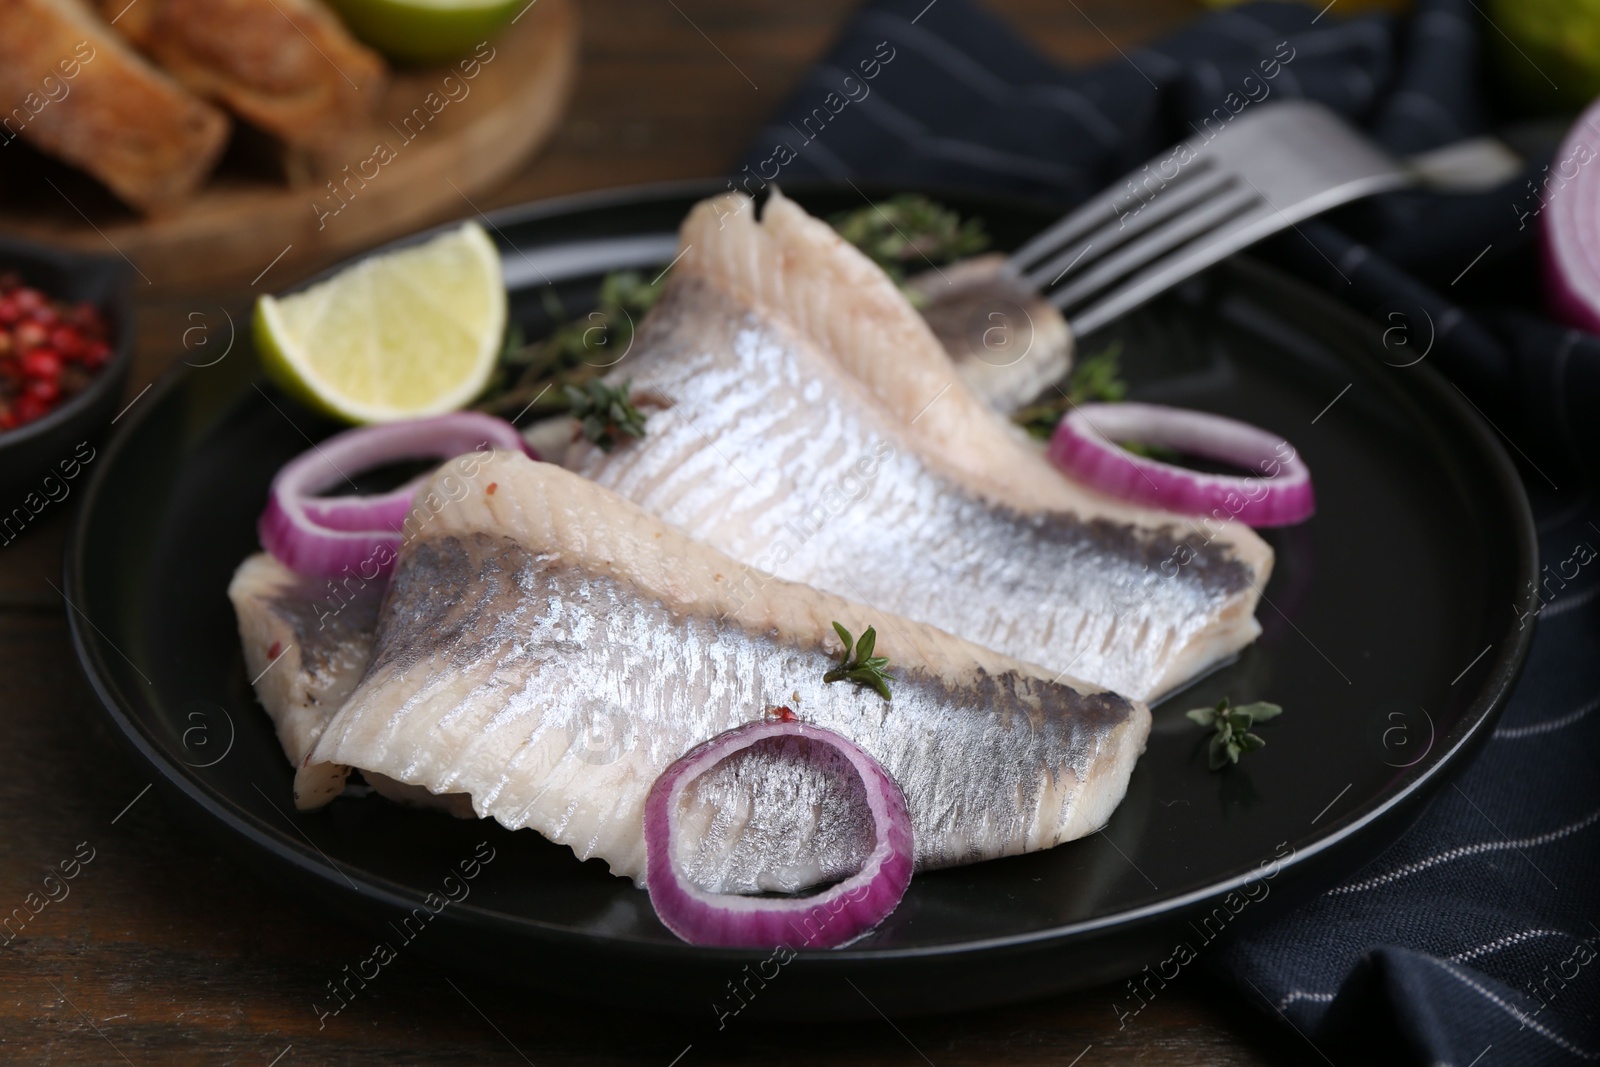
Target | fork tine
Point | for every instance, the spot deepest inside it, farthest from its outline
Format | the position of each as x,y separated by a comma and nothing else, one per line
1258,174
1152,246
1094,213
1119,232
1167,271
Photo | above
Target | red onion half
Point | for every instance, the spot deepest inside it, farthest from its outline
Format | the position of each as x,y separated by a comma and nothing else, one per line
1569,203
324,536
836,916
1084,445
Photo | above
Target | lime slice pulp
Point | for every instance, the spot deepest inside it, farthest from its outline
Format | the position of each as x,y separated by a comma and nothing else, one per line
401,335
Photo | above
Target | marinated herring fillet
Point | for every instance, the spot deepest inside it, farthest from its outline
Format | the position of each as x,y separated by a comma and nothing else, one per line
1008,343
305,649
549,648
808,424
306,644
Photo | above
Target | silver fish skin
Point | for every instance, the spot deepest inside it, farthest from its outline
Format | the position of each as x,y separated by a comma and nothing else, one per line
779,442
1008,343
322,633
550,649
306,645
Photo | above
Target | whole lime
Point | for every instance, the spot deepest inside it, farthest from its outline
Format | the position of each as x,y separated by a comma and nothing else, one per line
1549,50
421,32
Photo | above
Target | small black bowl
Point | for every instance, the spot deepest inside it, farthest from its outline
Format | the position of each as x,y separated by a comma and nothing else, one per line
40,460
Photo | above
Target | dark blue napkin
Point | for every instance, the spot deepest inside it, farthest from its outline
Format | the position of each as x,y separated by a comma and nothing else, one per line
1474,940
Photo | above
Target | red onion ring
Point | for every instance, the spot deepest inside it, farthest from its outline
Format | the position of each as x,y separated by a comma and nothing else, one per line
1570,227
1084,446
384,511
325,536
837,915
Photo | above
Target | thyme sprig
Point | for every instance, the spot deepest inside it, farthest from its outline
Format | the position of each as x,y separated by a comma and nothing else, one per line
860,665
1095,379
906,233
1232,737
902,234
605,412
532,377
1098,378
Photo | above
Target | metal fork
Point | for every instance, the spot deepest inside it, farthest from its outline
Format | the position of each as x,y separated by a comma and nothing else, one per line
1199,202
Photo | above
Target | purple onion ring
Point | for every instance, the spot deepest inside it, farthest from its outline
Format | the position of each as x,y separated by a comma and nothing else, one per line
1084,445
324,536
835,916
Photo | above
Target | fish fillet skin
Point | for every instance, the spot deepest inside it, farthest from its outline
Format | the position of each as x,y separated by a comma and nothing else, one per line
305,649
322,638
794,266
549,648
775,449
1008,343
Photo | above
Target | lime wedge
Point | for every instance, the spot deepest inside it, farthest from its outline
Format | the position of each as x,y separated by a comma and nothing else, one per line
426,31
396,336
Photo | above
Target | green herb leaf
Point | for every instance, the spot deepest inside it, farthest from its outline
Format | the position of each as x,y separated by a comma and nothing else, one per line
1260,711
857,663
865,646
1094,379
606,414
1097,379
909,232
531,377
844,635
1231,737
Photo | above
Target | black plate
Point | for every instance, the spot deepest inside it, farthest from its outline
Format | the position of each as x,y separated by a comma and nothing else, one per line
1388,637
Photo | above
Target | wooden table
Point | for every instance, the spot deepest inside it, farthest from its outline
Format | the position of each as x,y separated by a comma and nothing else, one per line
166,952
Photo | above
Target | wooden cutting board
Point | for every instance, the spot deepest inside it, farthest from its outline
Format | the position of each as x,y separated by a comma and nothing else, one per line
431,148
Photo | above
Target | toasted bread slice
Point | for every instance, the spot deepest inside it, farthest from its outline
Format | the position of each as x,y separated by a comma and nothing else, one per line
78,92
287,66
